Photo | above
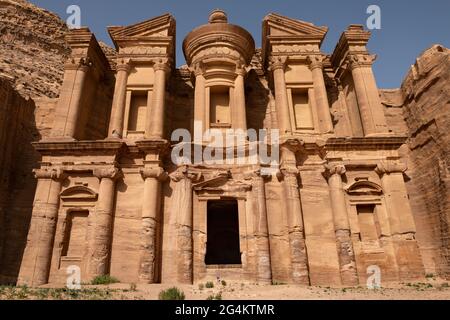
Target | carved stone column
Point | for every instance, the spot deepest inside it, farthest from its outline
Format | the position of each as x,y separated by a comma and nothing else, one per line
36,261
100,248
325,121
200,99
69,106
299,259
151,211
396,197
240,106
264,268
370,108
182,209
281,98
347,262
119,101
155,118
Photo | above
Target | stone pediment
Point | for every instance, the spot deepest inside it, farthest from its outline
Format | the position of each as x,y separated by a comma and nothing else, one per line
162,26
281,26
154,34
289,37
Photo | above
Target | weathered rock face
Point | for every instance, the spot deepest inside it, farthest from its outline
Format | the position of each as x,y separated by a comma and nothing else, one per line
17,183
426,92
32,48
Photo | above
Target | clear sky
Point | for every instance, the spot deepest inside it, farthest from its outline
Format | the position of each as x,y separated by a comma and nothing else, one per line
408,27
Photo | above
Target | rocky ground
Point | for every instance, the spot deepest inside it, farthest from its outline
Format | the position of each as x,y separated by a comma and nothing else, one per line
432,289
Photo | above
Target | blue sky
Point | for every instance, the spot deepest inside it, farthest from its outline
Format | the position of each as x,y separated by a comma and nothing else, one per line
408,27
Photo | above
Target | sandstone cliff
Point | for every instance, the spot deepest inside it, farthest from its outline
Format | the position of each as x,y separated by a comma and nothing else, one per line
426,94
32,48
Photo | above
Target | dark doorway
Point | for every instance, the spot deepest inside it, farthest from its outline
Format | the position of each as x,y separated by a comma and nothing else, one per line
223,246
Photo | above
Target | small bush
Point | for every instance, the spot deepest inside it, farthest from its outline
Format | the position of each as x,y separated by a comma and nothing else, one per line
201,286
172,294
429,276
210,285
133,287
224,283
102,280
215,297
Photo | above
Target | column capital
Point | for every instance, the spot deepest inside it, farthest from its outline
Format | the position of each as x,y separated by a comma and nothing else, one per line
389,167
107,173
289,172
277,63
293,144
154,173
315,62
82,64
162,65
332,169
123,66
184,173
360,60
256,174
56,174
198,69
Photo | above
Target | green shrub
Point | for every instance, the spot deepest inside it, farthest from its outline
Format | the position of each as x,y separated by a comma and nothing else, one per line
224,283
172,294
210,285
201,286
102,280
133,287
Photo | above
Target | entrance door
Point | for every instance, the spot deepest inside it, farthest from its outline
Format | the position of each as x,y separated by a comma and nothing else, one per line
223,244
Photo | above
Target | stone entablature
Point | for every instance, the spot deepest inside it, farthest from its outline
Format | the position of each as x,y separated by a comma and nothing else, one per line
334,205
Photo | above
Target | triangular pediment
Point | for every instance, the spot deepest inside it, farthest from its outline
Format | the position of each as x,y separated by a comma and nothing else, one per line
278,25
162,26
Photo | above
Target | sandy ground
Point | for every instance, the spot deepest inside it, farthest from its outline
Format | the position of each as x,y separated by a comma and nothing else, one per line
430,290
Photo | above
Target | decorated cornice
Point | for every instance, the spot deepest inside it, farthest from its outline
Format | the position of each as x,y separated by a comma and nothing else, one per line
369,143
185,173
75,147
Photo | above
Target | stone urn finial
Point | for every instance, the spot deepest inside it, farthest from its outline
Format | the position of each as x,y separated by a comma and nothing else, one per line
218,16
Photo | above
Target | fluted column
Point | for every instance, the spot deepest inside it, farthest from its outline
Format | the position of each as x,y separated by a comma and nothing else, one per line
100,246
151,214
182,209
155,118
239,105
323,106
264,268
281,98
344,243
36,261
118,107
